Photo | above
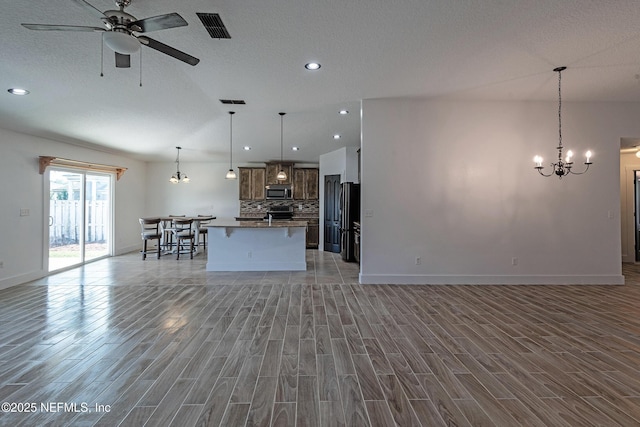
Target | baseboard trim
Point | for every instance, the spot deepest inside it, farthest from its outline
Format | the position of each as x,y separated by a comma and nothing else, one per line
127,249
23,278
406,279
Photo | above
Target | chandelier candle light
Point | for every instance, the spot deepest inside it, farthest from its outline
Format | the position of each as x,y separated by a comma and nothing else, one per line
561,167
231,174
177,177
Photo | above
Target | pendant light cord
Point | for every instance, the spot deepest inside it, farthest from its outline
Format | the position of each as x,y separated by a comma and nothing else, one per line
178,163
559,70
281,155
231,113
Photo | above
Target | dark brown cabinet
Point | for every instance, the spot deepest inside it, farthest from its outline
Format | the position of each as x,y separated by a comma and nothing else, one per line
313,233
273,169
252,183
305,183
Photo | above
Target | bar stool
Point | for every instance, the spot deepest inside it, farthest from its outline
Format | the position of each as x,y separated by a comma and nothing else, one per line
149,230
183,230
202,229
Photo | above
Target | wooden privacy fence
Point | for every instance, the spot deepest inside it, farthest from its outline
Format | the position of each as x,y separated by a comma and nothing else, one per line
65,222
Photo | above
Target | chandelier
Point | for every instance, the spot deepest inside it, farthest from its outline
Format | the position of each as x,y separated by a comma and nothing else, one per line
231,173
561,167
177,177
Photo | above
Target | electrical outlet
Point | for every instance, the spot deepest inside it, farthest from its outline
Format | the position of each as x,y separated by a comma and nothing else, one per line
249,254
1,264
24,212
368,213
514,261
418,260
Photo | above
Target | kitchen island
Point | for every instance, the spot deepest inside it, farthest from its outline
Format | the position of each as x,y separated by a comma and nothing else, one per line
256,245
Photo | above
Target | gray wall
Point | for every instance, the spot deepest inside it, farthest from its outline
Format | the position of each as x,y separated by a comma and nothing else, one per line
453,183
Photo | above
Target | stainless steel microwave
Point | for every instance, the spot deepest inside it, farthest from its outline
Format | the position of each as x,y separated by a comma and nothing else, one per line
278,192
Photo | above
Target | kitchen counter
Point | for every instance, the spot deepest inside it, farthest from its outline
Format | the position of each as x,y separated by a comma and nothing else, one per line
258,217
256,245
244,223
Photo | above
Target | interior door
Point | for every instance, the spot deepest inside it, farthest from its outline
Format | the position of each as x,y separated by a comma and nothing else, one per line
80,220
636,218
332,213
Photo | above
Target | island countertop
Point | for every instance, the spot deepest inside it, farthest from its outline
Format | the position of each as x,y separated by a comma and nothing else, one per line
256,246
230,223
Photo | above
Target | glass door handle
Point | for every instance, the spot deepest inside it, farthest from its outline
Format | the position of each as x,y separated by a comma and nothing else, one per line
50,221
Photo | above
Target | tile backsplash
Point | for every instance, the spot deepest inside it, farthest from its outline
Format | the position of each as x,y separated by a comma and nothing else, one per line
300,207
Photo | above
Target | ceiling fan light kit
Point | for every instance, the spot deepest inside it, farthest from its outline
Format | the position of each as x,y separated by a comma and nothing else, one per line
121,42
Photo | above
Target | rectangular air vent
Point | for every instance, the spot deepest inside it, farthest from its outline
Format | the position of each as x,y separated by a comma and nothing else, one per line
214,25
233,101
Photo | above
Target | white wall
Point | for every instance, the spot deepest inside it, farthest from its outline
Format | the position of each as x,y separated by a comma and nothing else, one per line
453,183
23,238
343,162
628,164
208,192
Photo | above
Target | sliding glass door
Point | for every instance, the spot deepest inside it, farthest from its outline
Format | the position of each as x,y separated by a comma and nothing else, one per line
80,223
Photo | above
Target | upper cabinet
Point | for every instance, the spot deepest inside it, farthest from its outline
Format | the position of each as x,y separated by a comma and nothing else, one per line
252,183
272,171
305,183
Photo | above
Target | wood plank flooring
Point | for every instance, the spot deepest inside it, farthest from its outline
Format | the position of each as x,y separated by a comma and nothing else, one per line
163,343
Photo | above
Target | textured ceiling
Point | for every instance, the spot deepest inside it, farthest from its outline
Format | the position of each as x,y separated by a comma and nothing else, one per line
490,49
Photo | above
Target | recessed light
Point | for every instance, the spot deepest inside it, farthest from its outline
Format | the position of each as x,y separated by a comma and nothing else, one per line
312,66
343,112
336,136
295,148
18,91
246,148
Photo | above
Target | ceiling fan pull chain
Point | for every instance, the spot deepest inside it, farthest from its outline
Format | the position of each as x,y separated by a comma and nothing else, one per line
102,55
141,68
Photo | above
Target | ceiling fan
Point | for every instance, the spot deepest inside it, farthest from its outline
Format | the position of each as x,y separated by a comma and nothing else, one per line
121,32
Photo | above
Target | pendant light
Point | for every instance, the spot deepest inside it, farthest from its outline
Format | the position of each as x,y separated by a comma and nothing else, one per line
177,177
281,175
561,167
231,174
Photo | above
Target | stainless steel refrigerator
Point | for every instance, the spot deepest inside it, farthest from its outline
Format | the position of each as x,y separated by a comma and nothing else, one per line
349,212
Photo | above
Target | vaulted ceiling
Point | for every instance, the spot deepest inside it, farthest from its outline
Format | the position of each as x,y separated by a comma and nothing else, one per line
489,49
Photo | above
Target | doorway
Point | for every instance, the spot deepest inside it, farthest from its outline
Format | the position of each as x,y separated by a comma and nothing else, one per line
332,213
80,219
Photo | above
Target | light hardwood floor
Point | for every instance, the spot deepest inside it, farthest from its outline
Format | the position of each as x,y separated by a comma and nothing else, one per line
162,342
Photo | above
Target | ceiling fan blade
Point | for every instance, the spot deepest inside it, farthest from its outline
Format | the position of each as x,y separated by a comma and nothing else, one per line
47,27
123,61
160,22
161,47
94,11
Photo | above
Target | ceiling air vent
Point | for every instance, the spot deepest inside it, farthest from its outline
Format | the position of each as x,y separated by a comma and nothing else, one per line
233,101
214,25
